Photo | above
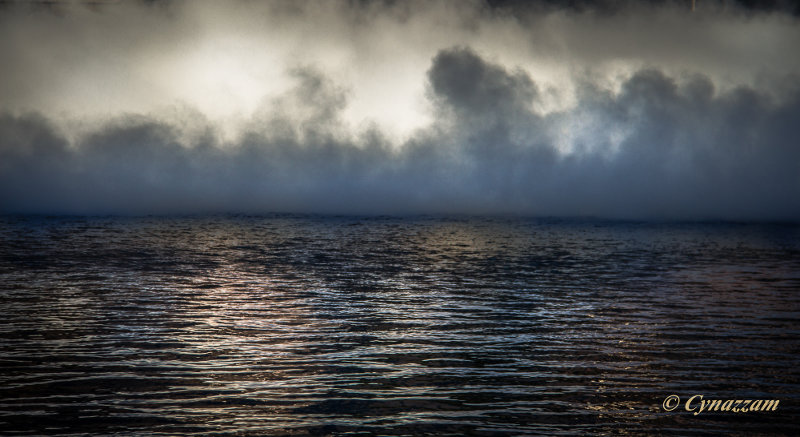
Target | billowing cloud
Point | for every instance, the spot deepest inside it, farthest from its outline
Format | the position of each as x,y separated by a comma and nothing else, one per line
589,112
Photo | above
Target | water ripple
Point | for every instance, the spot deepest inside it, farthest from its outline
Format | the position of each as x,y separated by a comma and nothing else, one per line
294,325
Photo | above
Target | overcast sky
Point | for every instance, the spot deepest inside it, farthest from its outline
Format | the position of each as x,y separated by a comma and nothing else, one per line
645,110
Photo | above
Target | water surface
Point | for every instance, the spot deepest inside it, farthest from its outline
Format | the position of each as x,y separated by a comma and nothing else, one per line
347,325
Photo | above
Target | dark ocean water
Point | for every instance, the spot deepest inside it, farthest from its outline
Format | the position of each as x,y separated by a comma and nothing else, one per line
359,326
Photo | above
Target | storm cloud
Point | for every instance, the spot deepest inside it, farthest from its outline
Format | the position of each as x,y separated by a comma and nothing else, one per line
526,110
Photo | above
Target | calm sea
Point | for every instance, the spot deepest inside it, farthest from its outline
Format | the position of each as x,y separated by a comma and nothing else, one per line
302,325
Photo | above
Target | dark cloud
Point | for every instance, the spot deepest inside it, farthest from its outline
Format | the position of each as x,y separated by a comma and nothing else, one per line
615,6
461,80
657,148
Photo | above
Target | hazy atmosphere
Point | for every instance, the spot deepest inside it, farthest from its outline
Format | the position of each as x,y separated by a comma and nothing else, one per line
484,218
607,109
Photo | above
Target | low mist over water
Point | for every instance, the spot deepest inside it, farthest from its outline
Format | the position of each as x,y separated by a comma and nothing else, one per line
283,325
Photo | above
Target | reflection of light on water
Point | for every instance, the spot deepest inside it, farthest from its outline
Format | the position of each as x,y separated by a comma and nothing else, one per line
254,325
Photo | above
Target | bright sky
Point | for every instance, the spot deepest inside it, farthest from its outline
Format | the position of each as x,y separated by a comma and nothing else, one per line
230,60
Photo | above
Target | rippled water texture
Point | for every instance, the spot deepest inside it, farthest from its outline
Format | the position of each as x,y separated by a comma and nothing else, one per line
315,325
